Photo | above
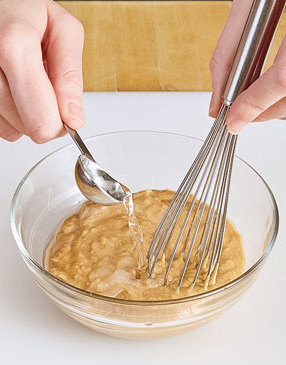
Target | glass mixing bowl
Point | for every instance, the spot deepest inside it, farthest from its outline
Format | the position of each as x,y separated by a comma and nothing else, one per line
140,160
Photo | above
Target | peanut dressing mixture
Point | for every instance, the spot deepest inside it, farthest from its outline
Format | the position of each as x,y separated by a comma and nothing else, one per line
93,250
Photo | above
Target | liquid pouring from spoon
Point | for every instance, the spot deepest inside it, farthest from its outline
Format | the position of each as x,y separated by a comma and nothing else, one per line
99,187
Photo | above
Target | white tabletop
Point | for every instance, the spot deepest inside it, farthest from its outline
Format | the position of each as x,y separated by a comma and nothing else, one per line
33,330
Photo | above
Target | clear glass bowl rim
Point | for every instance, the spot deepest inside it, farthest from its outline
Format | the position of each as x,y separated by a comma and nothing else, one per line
43,271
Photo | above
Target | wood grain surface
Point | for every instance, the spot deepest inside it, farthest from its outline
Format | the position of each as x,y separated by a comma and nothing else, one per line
152,45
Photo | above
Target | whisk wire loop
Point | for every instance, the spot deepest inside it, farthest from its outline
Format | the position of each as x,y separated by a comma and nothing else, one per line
181,196
203,193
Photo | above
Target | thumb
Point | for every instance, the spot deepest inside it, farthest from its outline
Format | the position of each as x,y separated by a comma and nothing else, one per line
223,55
63,47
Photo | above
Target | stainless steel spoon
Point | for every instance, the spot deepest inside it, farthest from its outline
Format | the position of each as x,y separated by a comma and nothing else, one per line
95,183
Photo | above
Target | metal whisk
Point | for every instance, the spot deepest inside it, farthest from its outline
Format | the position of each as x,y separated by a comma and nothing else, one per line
205,189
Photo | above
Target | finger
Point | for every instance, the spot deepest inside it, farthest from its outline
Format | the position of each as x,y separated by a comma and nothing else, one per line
7,131
261,95
33,94
7,106
276,111
64,59
225,51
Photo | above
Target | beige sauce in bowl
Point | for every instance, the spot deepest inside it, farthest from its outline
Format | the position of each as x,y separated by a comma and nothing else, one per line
93,250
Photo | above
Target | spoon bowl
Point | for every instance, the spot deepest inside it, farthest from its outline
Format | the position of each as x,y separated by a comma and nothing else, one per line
96,184
93,182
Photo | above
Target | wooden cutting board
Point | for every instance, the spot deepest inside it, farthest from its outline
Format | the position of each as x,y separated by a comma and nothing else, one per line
152,45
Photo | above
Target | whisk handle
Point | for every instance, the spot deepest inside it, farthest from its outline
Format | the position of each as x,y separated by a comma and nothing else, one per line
253,47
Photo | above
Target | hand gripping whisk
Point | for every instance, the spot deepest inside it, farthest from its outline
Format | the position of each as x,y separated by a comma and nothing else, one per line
207,183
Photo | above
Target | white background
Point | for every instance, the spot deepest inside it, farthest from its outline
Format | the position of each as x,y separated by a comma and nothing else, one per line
34,331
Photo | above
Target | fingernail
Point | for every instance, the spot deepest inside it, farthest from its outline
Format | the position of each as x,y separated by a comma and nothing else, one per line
235,126
75,112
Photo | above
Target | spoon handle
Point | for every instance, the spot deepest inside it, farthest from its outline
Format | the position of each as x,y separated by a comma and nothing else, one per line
78,141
